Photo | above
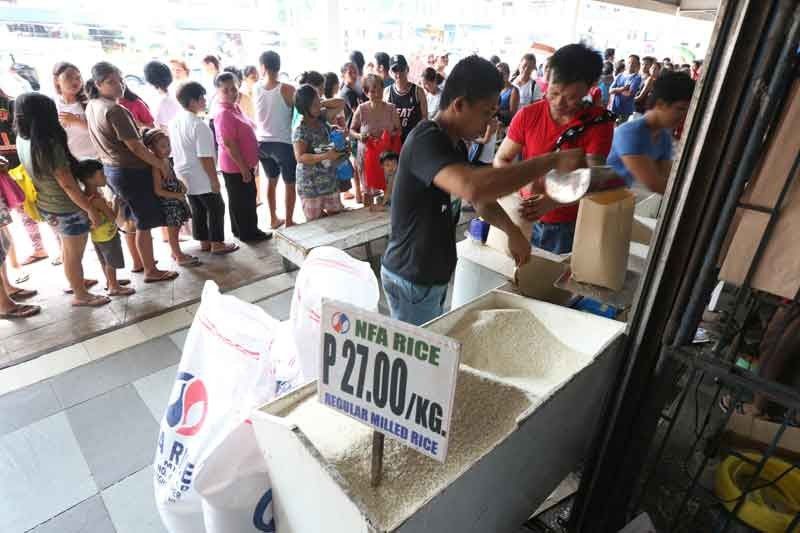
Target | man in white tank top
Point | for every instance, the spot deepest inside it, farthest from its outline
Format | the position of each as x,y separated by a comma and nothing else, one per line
273,103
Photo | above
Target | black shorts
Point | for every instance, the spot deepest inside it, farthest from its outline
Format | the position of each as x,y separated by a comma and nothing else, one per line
135,187
278,160
110,253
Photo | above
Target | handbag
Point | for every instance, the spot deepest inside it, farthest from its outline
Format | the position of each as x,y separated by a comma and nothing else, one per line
25,183
12,194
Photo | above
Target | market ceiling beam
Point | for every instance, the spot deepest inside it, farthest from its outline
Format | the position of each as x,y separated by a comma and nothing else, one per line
703,9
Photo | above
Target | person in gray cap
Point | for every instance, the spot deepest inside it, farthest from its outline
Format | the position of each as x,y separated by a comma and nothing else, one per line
408,98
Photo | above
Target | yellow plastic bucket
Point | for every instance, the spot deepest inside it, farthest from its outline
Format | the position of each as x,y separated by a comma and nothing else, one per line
769,509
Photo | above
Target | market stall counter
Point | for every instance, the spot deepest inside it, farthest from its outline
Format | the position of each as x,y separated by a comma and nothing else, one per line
349,229
483,267
526,403
346,230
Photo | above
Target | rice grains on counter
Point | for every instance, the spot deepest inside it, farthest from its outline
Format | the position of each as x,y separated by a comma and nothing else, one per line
513,345
485,412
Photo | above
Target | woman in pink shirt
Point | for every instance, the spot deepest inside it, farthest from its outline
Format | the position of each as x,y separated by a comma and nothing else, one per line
238,157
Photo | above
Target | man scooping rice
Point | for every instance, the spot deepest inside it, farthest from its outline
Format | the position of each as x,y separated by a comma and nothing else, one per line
421,255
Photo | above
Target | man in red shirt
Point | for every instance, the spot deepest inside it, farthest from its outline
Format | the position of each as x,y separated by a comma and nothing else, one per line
560,121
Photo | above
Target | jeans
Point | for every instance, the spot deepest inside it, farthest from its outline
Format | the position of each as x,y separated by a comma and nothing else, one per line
410,302
555,238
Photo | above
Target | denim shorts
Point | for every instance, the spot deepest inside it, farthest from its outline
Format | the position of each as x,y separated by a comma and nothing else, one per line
67,224
410,302
555,238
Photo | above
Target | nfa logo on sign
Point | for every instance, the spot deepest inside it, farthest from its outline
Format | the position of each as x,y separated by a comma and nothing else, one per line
189,410
340,322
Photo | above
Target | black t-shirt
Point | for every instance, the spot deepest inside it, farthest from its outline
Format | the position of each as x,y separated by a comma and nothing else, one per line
422,244
408,108
352,99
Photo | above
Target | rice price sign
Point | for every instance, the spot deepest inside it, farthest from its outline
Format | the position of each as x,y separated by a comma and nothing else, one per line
396,378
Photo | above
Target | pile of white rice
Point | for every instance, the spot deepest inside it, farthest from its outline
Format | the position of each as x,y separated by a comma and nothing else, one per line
485,413
513,345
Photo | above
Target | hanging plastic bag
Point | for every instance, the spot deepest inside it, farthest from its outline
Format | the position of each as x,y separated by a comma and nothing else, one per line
373,171
391,143
225,372
327,273
26,184
12,195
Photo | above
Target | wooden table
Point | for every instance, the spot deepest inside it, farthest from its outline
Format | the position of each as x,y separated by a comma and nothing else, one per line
359,227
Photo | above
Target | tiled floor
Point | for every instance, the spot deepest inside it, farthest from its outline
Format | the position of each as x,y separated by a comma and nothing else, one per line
78,426
76,450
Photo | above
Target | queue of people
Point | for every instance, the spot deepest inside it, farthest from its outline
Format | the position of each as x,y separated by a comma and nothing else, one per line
165,165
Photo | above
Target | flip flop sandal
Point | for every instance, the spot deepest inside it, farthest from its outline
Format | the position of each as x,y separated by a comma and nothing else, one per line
23,278
96,301
227,250
120,282
123,291
31,259
140,270
88,283
166,276
57,262
22,294
189,262
21,311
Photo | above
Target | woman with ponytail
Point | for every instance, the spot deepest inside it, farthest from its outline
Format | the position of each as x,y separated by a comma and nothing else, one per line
43,150
127,165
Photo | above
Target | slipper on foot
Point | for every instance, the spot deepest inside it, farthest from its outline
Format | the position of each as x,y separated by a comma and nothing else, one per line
189,261
120,282
31,259
21,311
122,291
88,283
22,294
229,249
165,276
94,301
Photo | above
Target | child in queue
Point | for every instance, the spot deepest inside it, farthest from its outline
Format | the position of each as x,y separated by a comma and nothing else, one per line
389,161
172,195
105,236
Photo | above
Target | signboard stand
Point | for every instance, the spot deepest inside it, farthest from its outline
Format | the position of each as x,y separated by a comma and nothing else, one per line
395,378
377,458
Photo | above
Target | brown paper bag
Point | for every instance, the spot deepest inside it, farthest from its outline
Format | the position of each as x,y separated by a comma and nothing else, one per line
534,279
602,238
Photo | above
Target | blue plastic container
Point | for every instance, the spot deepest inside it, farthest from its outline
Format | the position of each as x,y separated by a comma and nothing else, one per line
479,230
338,140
